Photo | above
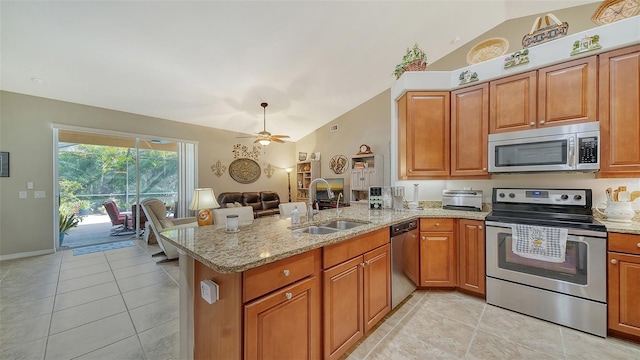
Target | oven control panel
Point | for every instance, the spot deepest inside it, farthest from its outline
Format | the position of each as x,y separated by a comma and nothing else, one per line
541,196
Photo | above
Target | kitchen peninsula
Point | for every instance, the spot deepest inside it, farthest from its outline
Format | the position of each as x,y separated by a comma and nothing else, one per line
245,264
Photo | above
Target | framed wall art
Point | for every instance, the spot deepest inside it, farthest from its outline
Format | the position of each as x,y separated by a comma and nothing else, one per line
302,156
4,164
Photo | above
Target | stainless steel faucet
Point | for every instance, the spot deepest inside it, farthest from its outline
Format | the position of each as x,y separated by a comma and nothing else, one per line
338,205
312,196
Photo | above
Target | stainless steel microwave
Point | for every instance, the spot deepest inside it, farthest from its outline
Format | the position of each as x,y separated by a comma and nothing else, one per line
557,148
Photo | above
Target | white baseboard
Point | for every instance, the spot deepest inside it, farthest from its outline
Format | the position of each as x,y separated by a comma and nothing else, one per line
26,254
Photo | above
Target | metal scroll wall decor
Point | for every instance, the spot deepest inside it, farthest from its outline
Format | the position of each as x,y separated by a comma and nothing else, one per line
269,171
218,168
242,151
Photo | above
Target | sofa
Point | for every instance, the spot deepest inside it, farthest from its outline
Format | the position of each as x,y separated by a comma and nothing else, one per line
264,203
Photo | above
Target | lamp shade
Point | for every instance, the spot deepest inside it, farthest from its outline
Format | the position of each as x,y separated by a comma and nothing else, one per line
203,199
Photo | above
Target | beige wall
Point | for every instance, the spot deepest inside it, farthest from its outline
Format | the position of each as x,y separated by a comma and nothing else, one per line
365,124
26,225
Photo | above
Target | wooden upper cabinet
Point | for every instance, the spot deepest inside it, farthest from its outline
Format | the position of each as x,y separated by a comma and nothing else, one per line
469,131
568,92
512,103
423,135
619,113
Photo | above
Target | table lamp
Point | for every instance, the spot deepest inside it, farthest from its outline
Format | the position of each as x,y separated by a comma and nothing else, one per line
203,200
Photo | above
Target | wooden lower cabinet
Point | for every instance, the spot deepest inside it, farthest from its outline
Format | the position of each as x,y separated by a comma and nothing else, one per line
624,284
357,294
283,324
471,256
438,253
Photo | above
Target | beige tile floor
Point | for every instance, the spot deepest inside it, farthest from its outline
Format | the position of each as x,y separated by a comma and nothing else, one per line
453,325
120,304
117,304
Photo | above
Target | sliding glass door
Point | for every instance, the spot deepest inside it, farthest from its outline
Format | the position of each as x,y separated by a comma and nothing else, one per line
101,177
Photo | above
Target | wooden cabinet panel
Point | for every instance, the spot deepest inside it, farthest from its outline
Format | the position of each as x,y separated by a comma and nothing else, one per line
424,133
626,243
619,115
469,131
513,103
343,307
436,224
624,293
568,92
471,256
284,324
411,257
437,259
377,285
264,279
338,253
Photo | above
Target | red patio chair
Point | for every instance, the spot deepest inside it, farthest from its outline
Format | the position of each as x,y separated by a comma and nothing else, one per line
122,221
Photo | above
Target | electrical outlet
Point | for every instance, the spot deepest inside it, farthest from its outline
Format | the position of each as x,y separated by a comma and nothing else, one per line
29,185
39,194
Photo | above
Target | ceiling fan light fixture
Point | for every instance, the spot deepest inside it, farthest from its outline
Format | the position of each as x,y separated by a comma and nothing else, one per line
264,142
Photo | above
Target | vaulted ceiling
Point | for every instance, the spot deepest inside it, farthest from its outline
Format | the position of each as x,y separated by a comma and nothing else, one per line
212,63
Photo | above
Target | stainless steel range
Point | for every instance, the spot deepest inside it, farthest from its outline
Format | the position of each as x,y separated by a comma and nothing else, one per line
524,274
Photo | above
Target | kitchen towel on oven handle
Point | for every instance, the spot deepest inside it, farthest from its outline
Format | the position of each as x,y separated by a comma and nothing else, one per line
539,242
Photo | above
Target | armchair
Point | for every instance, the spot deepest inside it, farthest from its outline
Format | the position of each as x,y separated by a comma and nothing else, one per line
121,220
156,214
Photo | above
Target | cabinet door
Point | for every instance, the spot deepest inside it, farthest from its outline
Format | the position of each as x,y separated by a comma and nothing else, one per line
624,293
437,259
471,261
568,93
377,285
369,178
284,324
619,113
343,307
469,131
512,103
357,179
423,135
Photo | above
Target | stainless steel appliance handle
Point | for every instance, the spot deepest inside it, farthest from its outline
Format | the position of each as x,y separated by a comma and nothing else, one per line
576,232
572,151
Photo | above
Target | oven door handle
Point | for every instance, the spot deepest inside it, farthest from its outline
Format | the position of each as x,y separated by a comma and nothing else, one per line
572,232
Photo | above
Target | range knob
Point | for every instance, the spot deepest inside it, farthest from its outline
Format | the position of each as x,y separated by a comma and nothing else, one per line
564,197
512,195
577,197
501,195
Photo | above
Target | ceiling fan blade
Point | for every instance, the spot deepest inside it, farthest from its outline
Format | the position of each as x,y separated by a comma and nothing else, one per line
277,140
280,136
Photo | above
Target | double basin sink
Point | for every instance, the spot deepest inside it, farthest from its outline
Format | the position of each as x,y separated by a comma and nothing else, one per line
329,227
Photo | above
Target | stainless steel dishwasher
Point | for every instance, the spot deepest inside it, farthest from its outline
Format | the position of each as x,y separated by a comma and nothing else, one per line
404,260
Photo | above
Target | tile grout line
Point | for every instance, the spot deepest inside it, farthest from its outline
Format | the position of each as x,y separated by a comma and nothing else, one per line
55,295
475,331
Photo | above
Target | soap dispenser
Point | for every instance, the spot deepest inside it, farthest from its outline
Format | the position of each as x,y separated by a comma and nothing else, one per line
295,215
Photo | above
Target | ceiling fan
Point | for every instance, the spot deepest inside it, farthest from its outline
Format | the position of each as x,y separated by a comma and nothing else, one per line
264,137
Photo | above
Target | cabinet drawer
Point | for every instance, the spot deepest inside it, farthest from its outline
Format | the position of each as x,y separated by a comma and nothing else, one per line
348,249
264,279
436,224
627,243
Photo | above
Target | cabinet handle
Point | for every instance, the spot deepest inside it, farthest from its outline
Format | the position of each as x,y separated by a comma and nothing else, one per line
484,169
541,122
480,227
286,272
614,261
362,264
288,296
639,245
533,123
423,238
437,224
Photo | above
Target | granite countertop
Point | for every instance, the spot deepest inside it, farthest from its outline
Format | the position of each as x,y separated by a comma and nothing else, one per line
270,238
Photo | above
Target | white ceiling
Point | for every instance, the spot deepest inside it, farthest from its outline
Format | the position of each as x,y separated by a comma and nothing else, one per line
212,63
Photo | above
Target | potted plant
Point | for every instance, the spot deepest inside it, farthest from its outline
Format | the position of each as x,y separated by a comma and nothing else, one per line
68,222
413,60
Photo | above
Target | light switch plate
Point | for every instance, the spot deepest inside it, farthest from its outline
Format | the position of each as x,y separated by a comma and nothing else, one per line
22,194
39,194
29,185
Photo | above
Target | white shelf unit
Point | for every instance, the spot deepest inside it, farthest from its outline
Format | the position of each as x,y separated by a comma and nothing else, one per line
366,170
306,171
